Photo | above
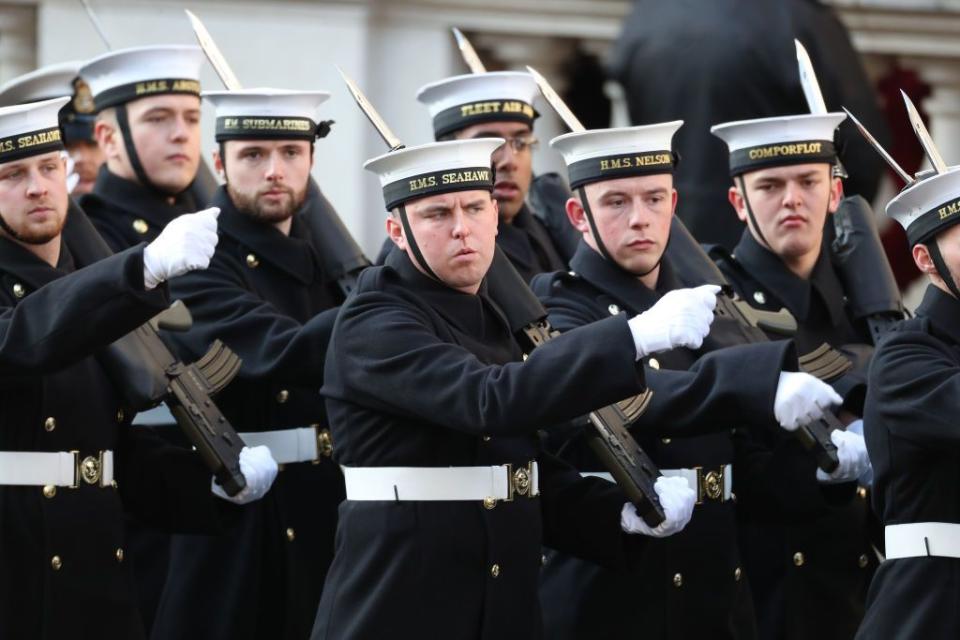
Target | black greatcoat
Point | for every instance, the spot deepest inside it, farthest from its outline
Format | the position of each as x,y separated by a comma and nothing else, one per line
127,213
266,296
914,443
422,375
528,245
689,584
810,575
56,397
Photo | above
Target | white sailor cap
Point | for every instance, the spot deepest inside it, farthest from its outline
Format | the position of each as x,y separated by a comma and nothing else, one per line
30,129
431,169
52,81
129,74
461,101
927,207
607,154
268,114
770,142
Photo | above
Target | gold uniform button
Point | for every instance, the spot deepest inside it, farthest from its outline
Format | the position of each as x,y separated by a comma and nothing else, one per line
489,503
140,226
798,559
543,560
49,491
737,574
862,492
56,563
283,396
495,570
863,561
119,555
253,261
654,363
678,580
486,438
665,440
120,415
291,534
50,424
18,290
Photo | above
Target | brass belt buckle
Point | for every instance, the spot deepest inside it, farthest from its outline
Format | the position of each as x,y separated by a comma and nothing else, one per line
90,469
709,485
324,442
520,481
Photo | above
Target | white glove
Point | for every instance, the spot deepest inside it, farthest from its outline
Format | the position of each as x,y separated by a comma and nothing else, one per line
681,318
677,499
185,244
866,478
801,399
852,452
259,469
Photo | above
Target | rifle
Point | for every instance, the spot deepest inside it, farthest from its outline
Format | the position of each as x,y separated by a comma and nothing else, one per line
609,439
342,256
146,372
694,267
868,280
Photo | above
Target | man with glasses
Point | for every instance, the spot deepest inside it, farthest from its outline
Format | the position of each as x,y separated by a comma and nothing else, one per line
499,105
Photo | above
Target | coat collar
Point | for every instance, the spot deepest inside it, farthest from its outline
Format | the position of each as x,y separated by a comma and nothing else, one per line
27,268
793,291
943,310
293,254
139,200
614,281
465,311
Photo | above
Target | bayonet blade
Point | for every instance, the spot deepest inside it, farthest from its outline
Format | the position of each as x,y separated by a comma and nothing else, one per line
933,154
906,177
556,102
468,52
388,136
96,24
217,61
808,80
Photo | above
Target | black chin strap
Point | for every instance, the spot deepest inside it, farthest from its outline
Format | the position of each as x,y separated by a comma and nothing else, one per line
752,220
581,190
123,122
941,267
412,242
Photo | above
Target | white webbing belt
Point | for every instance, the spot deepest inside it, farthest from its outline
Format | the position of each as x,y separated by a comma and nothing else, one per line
922,539
502,482
694,477
58,468
286,445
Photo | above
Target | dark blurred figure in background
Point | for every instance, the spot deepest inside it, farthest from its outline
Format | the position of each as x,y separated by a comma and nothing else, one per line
710,61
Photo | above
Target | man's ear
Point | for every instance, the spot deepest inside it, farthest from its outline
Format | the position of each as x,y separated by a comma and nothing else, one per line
836,194
923,260
107,137
576,215
496,212
395,231
217,162
736,201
